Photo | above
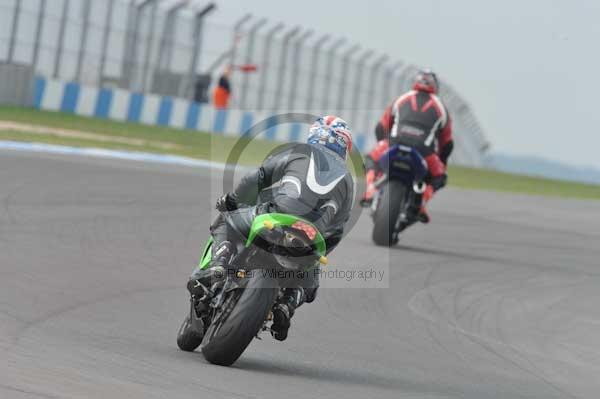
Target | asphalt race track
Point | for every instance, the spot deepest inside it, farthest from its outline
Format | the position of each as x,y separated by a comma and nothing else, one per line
498,298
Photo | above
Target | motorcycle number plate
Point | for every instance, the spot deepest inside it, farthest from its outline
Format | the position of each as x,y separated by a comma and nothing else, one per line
401,165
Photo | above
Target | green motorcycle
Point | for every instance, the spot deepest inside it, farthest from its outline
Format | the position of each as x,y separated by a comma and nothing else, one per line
238,307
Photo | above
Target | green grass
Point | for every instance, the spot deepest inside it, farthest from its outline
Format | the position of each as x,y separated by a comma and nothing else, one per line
192,143
490,180
203,145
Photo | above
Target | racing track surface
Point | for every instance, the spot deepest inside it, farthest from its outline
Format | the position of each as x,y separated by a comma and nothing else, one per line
95,253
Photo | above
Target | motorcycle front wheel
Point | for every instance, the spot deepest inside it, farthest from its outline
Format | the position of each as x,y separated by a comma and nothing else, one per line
239,320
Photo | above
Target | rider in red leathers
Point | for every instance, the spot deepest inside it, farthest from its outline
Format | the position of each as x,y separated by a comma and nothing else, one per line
420,120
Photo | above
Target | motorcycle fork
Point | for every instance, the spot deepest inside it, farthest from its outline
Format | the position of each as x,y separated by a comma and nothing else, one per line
222,289
196,320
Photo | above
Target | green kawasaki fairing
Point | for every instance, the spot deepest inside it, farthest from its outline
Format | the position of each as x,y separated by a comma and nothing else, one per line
267,221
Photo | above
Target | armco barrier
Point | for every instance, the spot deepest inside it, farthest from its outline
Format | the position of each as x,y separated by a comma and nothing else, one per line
121,105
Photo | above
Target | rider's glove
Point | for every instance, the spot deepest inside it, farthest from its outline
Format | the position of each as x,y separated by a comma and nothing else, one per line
227,203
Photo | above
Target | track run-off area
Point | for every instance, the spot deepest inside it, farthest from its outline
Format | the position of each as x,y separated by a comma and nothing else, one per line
497,298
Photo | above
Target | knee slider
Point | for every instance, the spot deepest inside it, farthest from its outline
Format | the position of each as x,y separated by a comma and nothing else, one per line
310,294
438,182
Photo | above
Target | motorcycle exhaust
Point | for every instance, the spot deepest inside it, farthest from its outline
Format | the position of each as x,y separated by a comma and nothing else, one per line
419,187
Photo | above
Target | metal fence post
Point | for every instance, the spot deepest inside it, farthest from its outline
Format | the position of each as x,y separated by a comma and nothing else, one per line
282,65
387,85
265,63
248,59
133,51
149,46
344,75
38,34
105,37
398,88
230,53
468,119
166,41
314,69
374,71
128,48
236,36
86,19
408,74
360,66
61,37
369,106
14,31
328,78
296,67
184,89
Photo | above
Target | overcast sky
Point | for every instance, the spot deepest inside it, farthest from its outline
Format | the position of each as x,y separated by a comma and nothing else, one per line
529,68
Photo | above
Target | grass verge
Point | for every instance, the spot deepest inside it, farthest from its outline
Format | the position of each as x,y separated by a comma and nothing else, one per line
217,148
189,143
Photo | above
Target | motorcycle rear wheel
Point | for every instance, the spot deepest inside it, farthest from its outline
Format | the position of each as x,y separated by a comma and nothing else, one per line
386,215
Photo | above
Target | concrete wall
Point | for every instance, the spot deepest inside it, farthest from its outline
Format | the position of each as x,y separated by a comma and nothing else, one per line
16,83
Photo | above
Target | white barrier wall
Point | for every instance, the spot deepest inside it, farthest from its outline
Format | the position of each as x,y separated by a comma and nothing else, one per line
122,105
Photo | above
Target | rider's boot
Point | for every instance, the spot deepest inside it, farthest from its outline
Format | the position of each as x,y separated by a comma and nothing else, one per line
202,279
423,215
284,309
367,197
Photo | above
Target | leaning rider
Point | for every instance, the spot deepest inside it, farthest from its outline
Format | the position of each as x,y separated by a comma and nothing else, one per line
309,180
417,119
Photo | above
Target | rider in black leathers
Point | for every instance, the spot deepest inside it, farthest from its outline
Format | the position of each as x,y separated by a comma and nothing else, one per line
307,180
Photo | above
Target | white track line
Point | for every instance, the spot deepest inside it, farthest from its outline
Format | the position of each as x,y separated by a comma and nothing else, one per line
111,154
